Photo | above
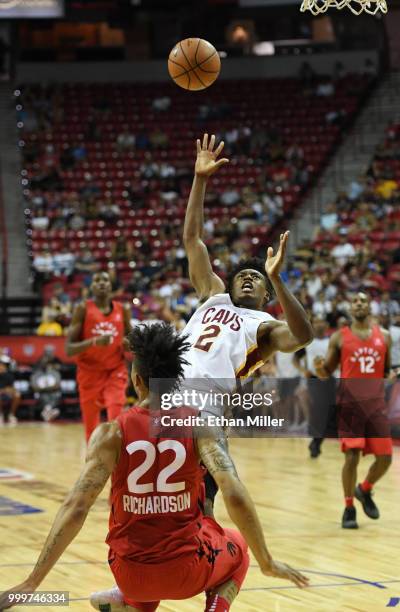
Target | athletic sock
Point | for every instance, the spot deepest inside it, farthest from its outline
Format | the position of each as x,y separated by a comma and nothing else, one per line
366,486
349,502
216,603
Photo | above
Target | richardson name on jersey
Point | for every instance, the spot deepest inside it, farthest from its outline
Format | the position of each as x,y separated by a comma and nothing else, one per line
156,504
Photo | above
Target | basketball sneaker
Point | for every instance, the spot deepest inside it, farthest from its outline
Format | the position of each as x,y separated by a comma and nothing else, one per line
109,601
369,506
49,414
315,447
12,420
349,518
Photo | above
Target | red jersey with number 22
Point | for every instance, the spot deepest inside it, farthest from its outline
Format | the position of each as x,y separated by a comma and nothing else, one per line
363,358
156,486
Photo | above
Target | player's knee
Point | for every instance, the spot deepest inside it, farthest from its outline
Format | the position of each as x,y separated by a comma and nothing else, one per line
236,539
385,460
352,457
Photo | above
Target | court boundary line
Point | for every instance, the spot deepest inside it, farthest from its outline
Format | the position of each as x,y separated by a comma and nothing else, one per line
354,580
283,588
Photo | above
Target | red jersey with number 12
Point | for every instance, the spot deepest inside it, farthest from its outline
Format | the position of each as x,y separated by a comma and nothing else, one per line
156,486
363,358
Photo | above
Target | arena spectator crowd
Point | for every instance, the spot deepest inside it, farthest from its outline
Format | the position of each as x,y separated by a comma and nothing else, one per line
357,245
272,166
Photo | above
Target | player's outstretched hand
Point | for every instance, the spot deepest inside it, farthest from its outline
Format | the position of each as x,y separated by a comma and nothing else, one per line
274,263
282,570
13,596
103,340
207,161
319,365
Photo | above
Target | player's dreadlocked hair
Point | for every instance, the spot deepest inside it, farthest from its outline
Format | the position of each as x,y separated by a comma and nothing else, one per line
254,263
158,350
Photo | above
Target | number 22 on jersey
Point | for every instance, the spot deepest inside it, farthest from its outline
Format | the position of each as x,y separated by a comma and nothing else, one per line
161,485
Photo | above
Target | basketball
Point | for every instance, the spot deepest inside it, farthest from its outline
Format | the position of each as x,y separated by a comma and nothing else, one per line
194,64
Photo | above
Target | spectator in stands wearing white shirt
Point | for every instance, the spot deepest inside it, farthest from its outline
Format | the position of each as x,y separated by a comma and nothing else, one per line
43,262
231,137
343,252
325,89
167,170
161,104
313,284
374,306
273,202
321,306
125,141
343,303
109,211
387,306
328,287
329,218
64,262
392,324
40,221
149,169
356,188
230,197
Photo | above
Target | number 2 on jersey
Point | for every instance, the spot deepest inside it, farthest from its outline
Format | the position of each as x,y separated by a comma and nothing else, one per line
207,338
162,486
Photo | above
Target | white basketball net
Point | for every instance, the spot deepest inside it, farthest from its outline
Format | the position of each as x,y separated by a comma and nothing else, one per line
356,6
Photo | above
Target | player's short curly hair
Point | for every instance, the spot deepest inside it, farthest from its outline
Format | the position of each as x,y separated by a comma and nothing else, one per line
158,351
253,263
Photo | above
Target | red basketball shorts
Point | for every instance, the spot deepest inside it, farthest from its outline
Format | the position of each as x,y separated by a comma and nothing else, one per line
364,426
100,389
221,556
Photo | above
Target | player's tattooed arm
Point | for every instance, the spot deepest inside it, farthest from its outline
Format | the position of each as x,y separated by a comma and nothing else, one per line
202,276
102,456
215,456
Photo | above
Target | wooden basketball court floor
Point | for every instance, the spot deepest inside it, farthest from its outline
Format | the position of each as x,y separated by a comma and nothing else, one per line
298,499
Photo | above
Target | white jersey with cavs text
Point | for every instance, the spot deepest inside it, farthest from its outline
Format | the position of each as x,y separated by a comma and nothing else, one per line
223,340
